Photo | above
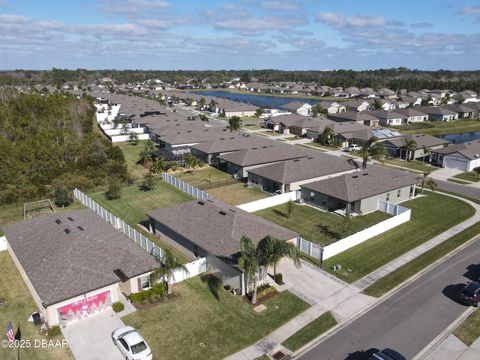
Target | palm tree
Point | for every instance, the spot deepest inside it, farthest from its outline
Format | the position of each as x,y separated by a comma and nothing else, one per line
428,182
146,155
234,123
170,264
410,147
272,250
249,262
426,152
328,136
191,161
158,166
372,150
258,113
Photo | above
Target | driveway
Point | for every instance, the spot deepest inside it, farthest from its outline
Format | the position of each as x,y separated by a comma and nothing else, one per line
445,173
317,287
90,338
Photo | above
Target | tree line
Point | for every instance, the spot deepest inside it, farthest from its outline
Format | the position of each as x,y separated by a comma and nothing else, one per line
49,142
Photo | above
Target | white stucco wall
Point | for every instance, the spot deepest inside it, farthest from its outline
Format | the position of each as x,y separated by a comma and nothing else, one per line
269,202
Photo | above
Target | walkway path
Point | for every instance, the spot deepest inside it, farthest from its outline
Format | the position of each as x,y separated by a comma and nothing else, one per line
327,293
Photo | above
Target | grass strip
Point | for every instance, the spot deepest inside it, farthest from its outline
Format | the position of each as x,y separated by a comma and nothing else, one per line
469,330
311,331
406,271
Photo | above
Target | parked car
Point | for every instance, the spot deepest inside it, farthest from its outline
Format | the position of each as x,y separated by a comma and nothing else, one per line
470,294
353,147
387,354
131,344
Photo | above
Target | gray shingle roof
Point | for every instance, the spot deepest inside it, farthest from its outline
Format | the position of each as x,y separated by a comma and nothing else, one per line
294,105
420,139
217,227
287,172
264,155
372,181
61,266
471,149
232,142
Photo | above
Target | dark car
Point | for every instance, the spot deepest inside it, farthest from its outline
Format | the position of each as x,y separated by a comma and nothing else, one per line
470,294
387,354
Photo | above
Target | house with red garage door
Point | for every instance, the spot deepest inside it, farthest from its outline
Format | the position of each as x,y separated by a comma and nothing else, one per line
74,264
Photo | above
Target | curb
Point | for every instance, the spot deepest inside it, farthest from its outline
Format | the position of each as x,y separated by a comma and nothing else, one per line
427,350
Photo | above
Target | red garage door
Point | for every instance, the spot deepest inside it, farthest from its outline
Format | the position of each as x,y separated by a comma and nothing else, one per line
84,307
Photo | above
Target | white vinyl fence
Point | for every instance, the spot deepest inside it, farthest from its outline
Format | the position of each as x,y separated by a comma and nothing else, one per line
269,202
185,187
3,243
193,269
401,215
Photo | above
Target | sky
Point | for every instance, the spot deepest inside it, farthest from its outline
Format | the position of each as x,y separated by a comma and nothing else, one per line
240,34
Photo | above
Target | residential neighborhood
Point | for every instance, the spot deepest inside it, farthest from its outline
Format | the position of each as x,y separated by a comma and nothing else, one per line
242,180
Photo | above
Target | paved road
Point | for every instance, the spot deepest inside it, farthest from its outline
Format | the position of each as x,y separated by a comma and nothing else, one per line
411,318
460,189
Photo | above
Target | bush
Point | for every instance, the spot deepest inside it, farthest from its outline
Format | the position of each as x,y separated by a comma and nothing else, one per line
118,307
157,292
53,331
63,197
114,191
278,279
264,290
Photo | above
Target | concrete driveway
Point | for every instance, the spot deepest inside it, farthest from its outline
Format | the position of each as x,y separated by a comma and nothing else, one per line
90,338
318,287
445,173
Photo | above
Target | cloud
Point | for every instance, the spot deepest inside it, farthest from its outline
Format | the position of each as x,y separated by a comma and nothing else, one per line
279,5
473,10
340,21
250,25
132,7
421,25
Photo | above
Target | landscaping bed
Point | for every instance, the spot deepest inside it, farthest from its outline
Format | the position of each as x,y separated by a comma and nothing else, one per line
429,218
320,226
194,326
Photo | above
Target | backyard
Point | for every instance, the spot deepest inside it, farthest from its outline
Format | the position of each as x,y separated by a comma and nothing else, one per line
132,155
195,324
430,217
436,128
320,226
17,306
233,192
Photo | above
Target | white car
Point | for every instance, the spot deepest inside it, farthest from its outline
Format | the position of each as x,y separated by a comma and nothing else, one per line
131,344
353,147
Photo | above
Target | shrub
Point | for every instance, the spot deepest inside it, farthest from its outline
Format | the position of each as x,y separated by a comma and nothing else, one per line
114,191
157,292
278,279
54,331
63,197
264,290
118,307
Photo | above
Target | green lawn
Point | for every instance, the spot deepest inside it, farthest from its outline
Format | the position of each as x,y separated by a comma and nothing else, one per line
406,271
449,127
132,154
134,204
18,306
315,147
457,181
414,165
431,215
308,222
205,323
469,330
313,330
472,176
323,147
234,193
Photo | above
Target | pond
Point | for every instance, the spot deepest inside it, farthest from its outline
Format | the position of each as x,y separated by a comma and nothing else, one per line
274,102
462,137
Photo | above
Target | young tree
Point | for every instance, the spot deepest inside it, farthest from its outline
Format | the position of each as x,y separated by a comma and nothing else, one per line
165,273
428,182
372,150
146,155
290,208
258,113
158,166
133,138
328,136
249,262
62,195
426,152
410,147
114,190
271,250
377,104
148,182
191,161
234,123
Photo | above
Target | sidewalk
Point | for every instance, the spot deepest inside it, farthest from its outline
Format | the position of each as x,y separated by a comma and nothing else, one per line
344,301
453,349
419,250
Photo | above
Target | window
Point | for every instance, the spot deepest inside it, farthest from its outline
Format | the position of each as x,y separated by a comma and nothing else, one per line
145,282
124,344
399,192
312,195
388,197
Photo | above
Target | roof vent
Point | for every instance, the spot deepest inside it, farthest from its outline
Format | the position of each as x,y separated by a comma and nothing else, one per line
58,221
355,176
296,160
222,213
201,203
80,228
210,201
310,157
364,174
69,218
233,211
67,231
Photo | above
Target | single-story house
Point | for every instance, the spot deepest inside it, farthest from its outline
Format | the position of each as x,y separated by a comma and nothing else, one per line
359,192
438,114
464,157
463,111
356,105
358,117
386,118
74,263
332,107
233,108
291,123
239,162
212,229
286,176
298,108
396,147
411,115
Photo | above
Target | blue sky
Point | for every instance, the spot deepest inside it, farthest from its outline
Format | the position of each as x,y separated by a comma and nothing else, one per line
240,34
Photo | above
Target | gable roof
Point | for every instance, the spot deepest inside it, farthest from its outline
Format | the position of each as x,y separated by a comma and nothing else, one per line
352,116
471,149
435,110
287,172
232,142
62,263
217,227
410,112
421,140
374,180
295,105
264,155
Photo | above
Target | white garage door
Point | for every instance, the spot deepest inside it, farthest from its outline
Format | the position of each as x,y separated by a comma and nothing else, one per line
456,164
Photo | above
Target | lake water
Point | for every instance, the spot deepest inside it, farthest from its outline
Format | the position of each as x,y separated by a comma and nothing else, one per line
462,137
258,100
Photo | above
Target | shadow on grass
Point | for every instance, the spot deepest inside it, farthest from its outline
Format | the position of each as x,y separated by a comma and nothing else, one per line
213,284
280,213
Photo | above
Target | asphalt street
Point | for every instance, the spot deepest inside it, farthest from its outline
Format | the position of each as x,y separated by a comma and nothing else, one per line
410,319
460,189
